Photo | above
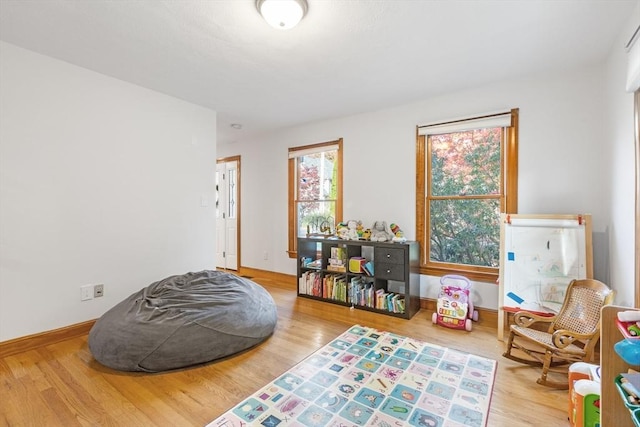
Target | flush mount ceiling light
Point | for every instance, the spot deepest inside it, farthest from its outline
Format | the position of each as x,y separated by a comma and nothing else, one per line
282,14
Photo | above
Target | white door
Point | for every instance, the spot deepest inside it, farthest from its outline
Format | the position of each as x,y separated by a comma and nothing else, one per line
227,215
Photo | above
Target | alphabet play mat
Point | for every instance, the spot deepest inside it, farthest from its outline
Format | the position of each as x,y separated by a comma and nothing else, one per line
367,377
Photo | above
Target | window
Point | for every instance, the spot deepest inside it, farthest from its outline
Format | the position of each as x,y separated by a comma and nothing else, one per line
315,190
466,176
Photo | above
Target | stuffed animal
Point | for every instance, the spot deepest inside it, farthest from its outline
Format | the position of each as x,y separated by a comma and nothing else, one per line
366,234
379,232
398,234
342,231
352,230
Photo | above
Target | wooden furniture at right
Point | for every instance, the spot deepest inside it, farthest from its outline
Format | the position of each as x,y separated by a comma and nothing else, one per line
571,335
613,412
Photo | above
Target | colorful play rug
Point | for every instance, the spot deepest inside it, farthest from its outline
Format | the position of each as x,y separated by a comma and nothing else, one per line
367,377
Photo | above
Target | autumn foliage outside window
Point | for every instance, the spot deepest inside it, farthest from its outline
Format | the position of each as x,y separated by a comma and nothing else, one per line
469,177
315,190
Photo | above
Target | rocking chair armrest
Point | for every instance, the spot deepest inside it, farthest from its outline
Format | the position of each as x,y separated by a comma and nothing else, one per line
563,337
526,319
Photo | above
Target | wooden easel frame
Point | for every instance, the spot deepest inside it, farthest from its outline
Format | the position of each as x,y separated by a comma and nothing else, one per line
581,219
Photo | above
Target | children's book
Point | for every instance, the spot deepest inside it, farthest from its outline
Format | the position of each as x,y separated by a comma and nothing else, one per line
368,268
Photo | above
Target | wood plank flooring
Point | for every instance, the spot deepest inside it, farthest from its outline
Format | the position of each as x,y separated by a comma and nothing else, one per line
62,385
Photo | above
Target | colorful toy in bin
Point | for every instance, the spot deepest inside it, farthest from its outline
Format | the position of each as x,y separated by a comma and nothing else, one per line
587,410
628,349
454,308
584,395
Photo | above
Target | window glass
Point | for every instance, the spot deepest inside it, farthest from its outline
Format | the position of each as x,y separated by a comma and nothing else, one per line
315,190
465,231
466,163
466,178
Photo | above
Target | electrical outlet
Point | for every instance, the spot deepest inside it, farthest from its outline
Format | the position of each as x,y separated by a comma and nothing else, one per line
86,292
98,291
265,255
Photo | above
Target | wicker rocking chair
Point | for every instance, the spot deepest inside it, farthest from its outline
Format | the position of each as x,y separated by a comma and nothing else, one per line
571,335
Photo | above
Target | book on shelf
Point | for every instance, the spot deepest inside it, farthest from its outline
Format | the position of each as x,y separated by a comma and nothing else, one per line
340,292
334,286
337,262
338,253
361,292
391,303
309,283
368,268
317,285
327,287
381,299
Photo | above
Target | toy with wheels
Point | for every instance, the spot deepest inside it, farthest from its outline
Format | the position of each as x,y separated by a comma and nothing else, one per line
454,308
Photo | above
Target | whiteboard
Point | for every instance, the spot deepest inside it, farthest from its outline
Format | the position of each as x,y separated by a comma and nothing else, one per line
539,256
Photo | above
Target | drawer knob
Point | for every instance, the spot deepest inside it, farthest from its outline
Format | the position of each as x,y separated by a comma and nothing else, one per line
388,271
388,255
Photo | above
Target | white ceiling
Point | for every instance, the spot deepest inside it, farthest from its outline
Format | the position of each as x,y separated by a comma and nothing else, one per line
345,57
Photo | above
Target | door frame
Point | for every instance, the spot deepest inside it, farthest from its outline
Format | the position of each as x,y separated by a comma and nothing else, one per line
636,125
238,203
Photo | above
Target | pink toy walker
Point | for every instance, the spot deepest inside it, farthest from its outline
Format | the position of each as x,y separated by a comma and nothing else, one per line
454,308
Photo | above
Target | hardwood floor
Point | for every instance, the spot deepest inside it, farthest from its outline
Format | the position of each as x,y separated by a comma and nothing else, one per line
62,385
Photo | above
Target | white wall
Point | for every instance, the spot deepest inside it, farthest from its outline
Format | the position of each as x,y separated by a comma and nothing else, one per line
100,182
561,167
620,152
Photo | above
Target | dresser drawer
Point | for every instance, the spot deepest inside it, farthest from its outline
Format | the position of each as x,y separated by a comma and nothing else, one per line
389,271
389,255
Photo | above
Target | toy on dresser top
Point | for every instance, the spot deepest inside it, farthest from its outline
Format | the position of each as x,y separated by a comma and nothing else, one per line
398,234
379,232
350,230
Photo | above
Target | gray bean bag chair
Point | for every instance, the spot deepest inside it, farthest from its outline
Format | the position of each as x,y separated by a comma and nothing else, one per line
182,321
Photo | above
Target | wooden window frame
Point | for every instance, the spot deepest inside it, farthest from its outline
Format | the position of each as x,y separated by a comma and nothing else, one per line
508,203
292,250
636,126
